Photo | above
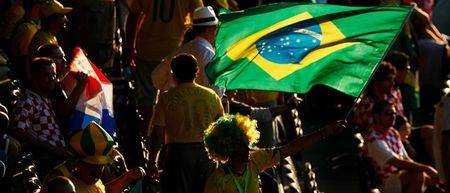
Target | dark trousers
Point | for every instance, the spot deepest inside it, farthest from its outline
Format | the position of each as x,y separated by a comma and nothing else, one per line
186,167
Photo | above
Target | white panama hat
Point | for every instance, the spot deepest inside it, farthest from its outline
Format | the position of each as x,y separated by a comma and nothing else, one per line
205,16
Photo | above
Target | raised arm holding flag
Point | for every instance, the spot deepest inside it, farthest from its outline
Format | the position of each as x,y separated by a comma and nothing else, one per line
95,103
292,47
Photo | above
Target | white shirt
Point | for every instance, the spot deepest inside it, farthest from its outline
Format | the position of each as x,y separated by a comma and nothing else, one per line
200,48
380,148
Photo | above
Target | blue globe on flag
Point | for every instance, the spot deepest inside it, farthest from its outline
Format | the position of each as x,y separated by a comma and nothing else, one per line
291,44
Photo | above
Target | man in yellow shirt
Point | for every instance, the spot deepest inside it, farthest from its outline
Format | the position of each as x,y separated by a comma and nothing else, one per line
183,113
154,29
53,21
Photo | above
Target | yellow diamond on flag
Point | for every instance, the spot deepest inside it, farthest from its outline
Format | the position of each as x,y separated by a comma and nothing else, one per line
290,44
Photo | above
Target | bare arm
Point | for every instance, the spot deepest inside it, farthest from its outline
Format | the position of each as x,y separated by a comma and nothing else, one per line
156,139
66,107
301,142
132,29
408,164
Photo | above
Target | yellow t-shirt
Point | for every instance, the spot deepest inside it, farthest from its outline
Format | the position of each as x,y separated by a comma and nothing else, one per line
186,111
21,39
221,180
11,17
163,27
80,186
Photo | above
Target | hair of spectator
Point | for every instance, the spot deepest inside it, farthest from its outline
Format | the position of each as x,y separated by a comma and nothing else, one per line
184,67
398,59
384,71
46,50
39,62
379,106
223,137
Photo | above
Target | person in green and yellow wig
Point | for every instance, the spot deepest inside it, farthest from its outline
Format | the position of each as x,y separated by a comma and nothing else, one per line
93,148
228,141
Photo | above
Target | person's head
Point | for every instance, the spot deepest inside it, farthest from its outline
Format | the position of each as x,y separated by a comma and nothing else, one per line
384,114
184,68
92,147
204,23
60,184
230,137
383,79
401,63
56,53
403,126
53,16
43,76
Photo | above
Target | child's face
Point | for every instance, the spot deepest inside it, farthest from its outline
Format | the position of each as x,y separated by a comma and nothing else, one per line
405,131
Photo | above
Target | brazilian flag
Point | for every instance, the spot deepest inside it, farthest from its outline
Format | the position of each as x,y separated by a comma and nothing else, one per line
291,47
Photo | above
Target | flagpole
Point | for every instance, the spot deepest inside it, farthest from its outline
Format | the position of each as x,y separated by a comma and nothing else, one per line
356,101
64,76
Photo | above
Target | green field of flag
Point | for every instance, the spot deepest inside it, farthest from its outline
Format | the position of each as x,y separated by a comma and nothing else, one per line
291,47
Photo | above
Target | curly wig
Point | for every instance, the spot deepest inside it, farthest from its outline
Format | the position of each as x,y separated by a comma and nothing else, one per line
224,136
